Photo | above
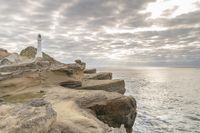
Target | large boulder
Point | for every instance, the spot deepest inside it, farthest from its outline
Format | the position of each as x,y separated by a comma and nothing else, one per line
99,76
117,112
33,117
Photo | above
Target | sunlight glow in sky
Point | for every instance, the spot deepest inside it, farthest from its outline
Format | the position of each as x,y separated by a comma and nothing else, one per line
177,7
106,32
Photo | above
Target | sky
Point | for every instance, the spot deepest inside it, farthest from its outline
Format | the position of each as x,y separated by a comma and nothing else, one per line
106,32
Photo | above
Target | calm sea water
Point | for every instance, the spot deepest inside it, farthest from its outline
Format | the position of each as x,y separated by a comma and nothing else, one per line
168,99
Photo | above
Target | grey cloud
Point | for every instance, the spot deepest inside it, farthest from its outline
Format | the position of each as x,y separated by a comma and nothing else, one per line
75,29
188,19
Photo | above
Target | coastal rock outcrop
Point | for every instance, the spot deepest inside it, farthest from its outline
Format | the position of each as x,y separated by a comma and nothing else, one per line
117,112
90,71
106,85
99,76
91,110
46,96
33,117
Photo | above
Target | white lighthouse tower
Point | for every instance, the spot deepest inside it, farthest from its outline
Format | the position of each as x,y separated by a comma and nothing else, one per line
39,47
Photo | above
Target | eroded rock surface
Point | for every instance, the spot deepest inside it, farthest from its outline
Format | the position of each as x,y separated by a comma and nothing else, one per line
69,102
3,53
88,111
33,117
106,85
99,76
117,112
90,71
71,84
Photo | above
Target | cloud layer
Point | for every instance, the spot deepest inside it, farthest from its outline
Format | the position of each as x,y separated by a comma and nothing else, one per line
106,32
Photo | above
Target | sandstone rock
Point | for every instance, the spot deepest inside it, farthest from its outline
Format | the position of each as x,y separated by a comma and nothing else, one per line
5,62
99,76
71,84
1,100
117,112
82,64
25,118
26,66
90,71
78,110
38,103
70,70
93,106
3,53
122,129
14,57
107,85
78,61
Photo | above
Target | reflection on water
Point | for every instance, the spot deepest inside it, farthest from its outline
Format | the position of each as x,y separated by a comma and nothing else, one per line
168,99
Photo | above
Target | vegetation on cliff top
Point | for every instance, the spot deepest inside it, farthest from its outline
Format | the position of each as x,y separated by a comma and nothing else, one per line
30,52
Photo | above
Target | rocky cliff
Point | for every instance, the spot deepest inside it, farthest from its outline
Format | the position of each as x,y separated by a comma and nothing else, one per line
45,96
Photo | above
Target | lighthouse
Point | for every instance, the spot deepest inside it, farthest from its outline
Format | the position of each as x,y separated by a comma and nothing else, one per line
39,47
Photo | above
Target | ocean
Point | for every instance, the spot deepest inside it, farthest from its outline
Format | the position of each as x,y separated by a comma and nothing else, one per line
168,99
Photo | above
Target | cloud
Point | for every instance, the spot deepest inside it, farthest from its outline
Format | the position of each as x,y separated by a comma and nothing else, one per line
105,31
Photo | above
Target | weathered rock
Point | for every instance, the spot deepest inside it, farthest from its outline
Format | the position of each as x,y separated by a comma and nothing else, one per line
14,57
99,76
117,112
3,53
122,129
90,71
71,84
77,110
26,118
93,106
38,103
70,70
78,61
82,64
9,59
106,85
25,66
1,100
5,62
